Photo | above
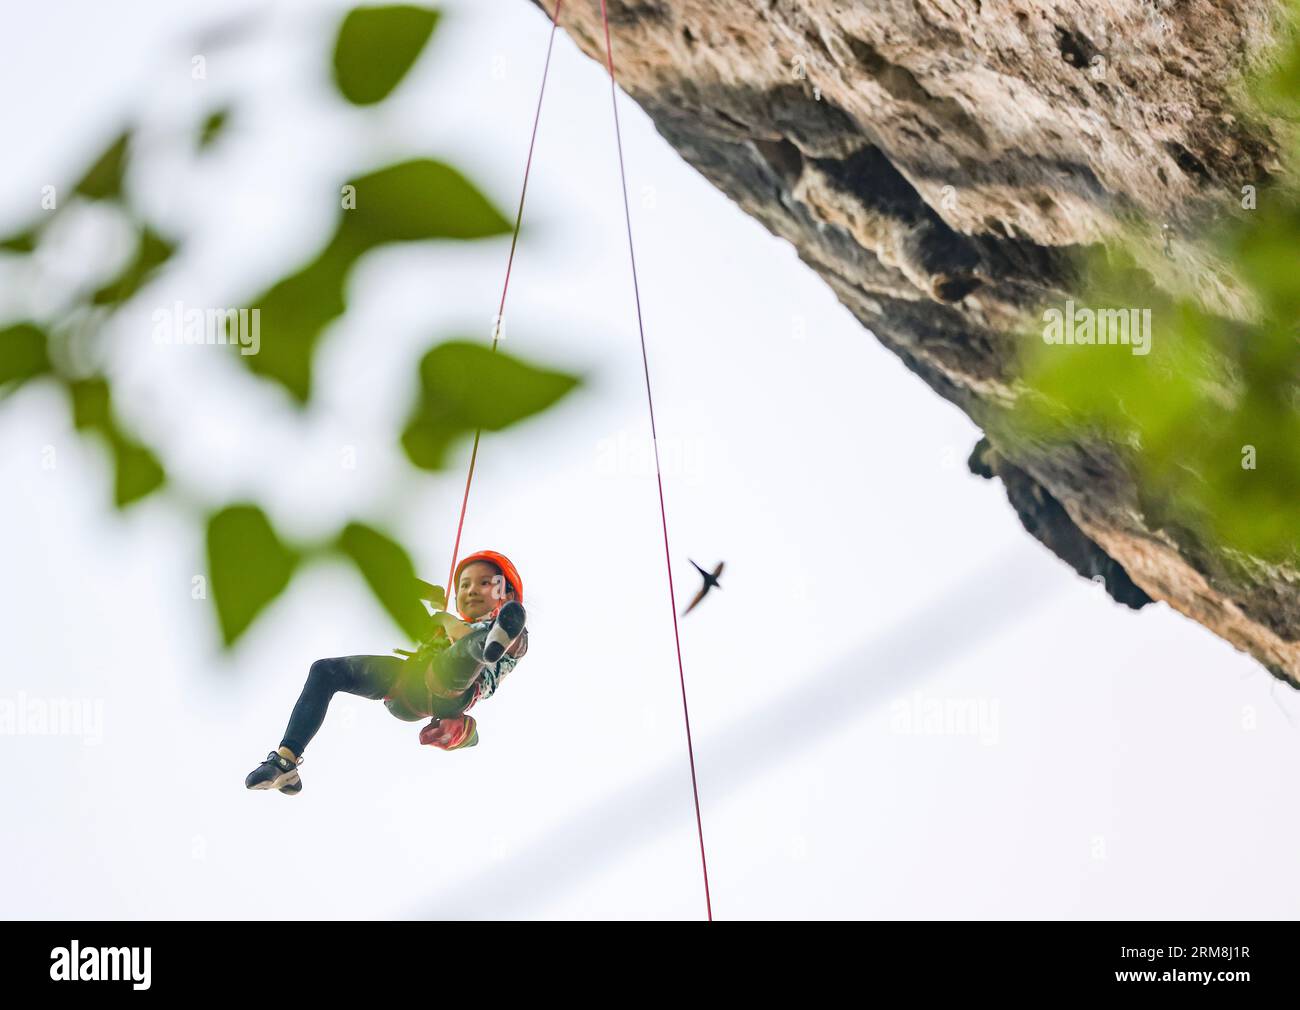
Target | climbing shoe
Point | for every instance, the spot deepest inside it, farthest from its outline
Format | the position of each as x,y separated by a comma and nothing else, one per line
276,772
507,627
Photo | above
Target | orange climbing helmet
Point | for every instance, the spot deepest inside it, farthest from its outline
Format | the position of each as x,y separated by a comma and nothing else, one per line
507,567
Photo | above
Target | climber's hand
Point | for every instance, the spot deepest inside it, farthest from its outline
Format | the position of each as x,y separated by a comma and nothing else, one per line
453,627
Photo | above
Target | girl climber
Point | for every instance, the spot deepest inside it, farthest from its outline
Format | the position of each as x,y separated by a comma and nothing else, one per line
463,662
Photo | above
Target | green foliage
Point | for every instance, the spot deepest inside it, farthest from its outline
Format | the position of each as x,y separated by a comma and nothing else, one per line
376,46
22,242
1212,414
213,126
416,200
465,387
152,252
295,312
137,471
249,566
1276,90
25,351
387,569
436,595
22,353
91,404
103,180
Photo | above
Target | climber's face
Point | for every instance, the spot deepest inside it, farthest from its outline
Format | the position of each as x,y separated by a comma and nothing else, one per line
481,589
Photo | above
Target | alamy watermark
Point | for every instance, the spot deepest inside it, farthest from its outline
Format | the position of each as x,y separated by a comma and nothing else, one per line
28,716
1130,327
75,963
181,325
625,454
934,715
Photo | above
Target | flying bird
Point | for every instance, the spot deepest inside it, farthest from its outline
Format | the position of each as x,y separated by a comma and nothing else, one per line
709,582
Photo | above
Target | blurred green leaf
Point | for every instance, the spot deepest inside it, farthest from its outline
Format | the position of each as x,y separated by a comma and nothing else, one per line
91,407
103,180
1277,89
1211,416
417,200
388,571
376,46
293,315
214,124
434,594
22,353
152,251
465,387
137,472
23,242
249,566
137,469
407,202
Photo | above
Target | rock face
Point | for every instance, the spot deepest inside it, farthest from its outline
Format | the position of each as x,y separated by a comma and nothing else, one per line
939,162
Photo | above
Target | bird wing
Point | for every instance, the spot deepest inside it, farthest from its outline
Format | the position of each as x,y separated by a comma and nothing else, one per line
718,571
698,596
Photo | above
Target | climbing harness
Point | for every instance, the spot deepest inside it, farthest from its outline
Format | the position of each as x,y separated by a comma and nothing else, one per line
645,361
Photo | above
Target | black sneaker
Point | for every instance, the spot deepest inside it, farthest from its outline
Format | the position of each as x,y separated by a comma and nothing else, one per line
276,772
507,627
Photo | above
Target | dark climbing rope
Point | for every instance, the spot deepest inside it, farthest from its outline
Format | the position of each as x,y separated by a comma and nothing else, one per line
663,512
645,361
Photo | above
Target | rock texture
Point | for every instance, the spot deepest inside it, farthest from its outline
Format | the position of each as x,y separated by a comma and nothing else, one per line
939,162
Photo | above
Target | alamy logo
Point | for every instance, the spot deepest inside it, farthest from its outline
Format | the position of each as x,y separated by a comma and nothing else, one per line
936,715
101,964
28,716
1131,327
180,325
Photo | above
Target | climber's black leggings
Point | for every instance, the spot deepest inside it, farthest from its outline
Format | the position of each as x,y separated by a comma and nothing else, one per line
454,673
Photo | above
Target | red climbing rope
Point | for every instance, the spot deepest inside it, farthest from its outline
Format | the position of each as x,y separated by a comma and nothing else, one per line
663,512
496,329
645,361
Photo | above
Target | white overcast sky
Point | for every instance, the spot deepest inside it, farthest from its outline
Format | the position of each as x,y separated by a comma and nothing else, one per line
1125,765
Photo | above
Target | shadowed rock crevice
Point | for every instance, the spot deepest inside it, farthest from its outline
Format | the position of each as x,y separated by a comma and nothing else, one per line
1046,520
943,113
1076,48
